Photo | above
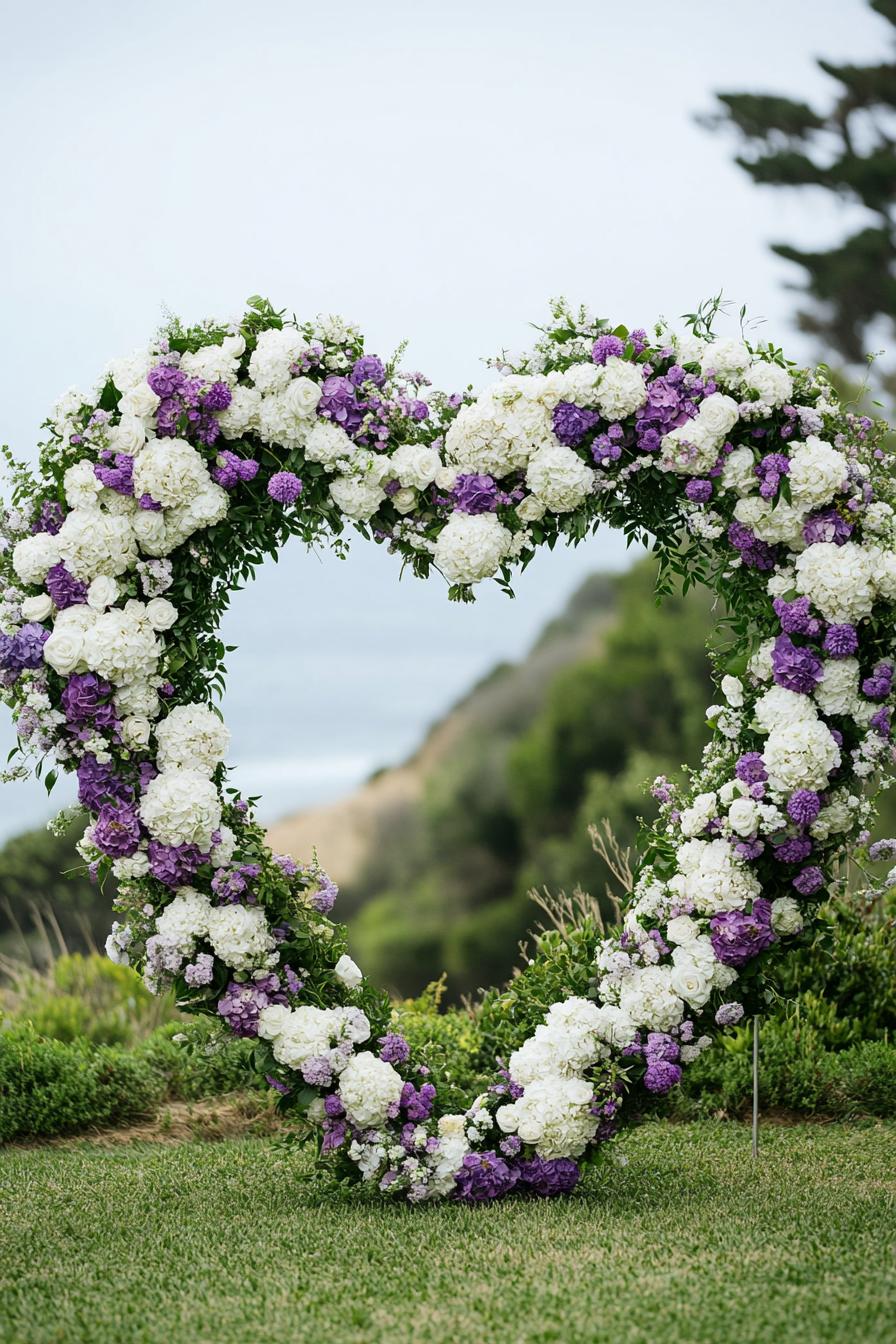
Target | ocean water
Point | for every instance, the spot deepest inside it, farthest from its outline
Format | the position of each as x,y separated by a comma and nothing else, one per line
342,665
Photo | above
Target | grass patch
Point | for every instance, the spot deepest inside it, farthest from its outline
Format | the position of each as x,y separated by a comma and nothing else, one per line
236,1241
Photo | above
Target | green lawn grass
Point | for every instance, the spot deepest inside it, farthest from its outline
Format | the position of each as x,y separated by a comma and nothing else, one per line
237,1242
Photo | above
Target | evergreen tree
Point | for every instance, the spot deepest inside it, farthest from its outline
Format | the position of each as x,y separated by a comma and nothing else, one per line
849,150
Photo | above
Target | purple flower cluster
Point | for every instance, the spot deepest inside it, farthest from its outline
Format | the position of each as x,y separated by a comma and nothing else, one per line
572,423
229,470
475,494
241,1003
880,683
24,649
548,1176
672,400
284,487
64,588
120,477
340,403
187,406
770,469
755,554
87,699
116,830
484,1176
99,784
174,865
738,936
794,667
827,525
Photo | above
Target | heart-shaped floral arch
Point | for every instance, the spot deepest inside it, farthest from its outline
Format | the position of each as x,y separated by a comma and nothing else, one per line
162,490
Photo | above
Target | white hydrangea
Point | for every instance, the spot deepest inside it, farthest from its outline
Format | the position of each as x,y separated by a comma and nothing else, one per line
620,389
81,486
559,478
569,1041
647,997
357,497
192,737
181,807
882,563
772,520
121,645
368,1088
413,464
800,755
554,1114
773,383
838,580
242,414
501,430
274,354
33,556
817,472
215,363
838,690
185,919
836,816
329,444
712,878
171,471
470,547
580,383
778,707
727,360
138,697
91,542
240,936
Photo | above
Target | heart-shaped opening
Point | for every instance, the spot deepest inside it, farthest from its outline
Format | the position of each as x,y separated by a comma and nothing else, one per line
161,493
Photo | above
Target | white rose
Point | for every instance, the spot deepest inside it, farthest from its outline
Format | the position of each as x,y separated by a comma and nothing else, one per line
786,916
733,691
161,613
64,650
405,500
348,972
135,731
415,465
102,592
743,816
37,608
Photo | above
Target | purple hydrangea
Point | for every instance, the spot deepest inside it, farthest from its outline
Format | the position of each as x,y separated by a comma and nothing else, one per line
796,617
828,525
698,491
117,830
87,698
50,518
25,649
339,403
394,1049
750,768
880,683
484,1176
547,1176
368,369
795,850
738,936
475,494
200,971
284,487
661,1076
317,1071
324,898
572,423
794,667
99,784
174,865
809,881
659,1045
64,588
755,554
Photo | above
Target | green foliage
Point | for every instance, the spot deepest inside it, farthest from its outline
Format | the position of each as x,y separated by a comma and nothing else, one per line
50,1087
41,882
848,151
84,997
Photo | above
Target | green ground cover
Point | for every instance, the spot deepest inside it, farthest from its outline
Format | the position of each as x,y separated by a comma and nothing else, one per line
238,1242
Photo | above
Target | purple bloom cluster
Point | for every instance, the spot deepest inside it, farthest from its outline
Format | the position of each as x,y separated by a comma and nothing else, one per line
229,470
484,1176
116,830
475,494
796,617
99,784
755,554
241,1003
738,936
394,1049
880,683
120,477
187,406
24,649
174,865
64,588
770,469
284,487
572,423
547,1176
87,699
827,525
794,667
340,403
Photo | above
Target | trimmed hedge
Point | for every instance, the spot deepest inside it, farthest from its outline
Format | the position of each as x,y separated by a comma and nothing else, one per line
50,1087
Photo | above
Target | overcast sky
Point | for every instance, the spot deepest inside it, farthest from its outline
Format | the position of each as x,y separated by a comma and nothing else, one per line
436,172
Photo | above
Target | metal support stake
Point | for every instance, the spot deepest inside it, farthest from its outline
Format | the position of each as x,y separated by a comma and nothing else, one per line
756,1085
